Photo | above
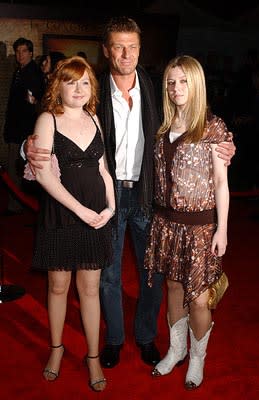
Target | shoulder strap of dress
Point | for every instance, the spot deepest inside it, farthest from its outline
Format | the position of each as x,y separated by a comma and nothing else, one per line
55,128
97,127
54,119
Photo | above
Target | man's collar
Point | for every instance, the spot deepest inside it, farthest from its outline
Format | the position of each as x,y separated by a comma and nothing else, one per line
114,88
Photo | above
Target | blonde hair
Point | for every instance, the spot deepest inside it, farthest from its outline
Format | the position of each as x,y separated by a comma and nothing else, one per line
69,69
196,107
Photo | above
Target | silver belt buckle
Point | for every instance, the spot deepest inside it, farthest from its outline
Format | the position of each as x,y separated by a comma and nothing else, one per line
128,184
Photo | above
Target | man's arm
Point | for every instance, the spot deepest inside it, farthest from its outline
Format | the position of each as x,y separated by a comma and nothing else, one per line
34,154
226,150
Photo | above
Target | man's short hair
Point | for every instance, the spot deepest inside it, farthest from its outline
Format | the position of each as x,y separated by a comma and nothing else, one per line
120,24
22,41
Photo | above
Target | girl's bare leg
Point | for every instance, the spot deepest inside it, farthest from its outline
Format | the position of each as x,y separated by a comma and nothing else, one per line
200,315
58,285
176,311
88,290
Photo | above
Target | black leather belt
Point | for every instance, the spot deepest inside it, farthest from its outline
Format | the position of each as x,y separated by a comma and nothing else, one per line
127,184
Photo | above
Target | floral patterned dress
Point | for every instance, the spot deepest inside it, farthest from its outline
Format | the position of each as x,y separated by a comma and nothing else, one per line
184,219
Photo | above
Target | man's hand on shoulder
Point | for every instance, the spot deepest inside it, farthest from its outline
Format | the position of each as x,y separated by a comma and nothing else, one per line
34,154
226,150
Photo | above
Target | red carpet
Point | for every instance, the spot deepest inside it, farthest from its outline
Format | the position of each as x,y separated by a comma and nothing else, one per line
233,353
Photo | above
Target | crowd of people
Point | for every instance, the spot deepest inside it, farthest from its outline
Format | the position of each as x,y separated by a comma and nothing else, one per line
174,200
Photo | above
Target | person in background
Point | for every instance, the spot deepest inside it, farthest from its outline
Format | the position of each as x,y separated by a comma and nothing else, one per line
188,235
82,54
129,118
74,230
48,62
25,93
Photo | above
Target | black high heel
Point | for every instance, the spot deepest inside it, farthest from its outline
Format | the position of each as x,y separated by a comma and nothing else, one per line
48,371
99,384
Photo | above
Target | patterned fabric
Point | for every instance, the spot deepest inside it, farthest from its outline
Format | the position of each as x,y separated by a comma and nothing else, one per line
184,183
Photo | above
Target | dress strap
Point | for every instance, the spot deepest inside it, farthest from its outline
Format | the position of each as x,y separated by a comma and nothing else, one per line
54,119
92,118
55,129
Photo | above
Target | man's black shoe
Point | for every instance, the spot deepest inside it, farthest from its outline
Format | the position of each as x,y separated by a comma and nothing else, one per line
149,353
110,355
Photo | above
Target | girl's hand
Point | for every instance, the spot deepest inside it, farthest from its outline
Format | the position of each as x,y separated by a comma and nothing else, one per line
106,215
219,244
89,216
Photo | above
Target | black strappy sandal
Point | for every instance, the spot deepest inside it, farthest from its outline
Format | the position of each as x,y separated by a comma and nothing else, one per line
93,384
49,371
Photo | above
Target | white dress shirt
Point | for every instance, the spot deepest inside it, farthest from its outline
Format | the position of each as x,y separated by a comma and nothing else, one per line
129,132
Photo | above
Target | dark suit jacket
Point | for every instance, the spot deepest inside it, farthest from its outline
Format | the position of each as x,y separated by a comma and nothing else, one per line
20,114
151,122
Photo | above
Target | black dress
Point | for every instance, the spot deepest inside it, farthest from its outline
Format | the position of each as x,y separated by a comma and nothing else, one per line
63,241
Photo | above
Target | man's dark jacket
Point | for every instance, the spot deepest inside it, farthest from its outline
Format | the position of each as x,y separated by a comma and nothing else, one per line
20,114
150,121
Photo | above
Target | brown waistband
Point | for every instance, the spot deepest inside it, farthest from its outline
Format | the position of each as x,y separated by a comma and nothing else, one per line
189,218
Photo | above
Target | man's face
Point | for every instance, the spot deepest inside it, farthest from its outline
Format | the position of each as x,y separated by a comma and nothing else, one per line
23,55
122,51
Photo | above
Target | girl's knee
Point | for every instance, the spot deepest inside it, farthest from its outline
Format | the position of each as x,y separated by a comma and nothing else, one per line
174,286
201,302
58,288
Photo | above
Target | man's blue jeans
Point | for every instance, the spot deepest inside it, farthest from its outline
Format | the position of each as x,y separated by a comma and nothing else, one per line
148,304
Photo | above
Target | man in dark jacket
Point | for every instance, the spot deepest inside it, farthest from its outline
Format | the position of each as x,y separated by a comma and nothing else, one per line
129,118
25,93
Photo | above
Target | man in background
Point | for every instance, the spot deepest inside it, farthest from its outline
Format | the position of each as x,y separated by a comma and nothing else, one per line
25,93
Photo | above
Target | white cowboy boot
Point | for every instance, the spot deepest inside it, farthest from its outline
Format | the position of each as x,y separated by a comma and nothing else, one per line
177,350
198,348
